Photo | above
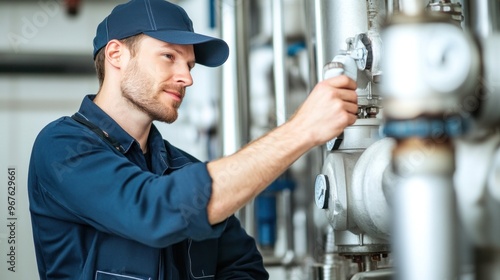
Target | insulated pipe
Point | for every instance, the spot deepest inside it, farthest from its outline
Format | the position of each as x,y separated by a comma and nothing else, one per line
234,119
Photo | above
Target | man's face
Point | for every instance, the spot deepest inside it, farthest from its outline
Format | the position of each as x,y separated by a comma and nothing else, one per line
155,80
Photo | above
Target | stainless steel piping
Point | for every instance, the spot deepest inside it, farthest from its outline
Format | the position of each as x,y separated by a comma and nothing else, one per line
234,102
234,99
285,208
482,17
279,49
412,7
319,24
425,245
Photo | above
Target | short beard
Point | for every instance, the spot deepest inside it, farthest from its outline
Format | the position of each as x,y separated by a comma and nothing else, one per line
140,91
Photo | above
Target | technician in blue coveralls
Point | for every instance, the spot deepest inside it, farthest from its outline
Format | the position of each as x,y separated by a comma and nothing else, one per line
110,199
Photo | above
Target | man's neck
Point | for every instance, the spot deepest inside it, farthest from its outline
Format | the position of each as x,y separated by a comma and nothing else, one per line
131,119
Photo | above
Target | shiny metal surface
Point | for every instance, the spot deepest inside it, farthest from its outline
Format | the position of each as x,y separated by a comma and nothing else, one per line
280,74
425,220
482,17
234,98
425,226
486,97
412,7
234,94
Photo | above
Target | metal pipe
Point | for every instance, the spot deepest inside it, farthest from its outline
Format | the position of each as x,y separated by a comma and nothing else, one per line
315,157
425,227
319,23
234,120
412,7
392,6
285,208
483,21
311,42
285,211
482,18
280,80
234,91
341,20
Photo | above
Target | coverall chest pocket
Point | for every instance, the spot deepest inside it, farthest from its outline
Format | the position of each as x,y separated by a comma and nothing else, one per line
103,275
202,259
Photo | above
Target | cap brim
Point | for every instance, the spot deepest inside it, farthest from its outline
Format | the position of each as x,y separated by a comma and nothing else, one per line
208,51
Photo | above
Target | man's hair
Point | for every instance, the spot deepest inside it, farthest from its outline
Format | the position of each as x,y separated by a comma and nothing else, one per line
131,43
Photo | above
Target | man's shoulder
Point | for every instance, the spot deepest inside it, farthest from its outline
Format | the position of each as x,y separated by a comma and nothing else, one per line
61,130
61,125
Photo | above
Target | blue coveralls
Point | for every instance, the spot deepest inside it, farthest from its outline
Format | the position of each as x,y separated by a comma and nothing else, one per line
98,212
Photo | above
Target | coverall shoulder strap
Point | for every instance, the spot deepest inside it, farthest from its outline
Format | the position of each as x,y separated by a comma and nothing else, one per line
101,133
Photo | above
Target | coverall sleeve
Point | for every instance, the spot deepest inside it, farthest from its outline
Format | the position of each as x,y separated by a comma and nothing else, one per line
238,257
81,179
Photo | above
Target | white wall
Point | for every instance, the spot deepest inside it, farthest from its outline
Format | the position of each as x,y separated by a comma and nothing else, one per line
29,102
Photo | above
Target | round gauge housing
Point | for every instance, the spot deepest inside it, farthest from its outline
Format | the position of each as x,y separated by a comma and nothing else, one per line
321,191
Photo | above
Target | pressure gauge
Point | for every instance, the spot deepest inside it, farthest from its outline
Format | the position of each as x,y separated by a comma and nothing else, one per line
321,191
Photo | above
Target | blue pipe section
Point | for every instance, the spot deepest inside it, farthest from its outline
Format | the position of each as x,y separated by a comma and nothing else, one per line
266,212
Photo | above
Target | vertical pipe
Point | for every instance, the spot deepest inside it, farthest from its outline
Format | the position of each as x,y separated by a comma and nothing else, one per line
311,42
315,158
280,81
424,210
281,89
234,102
413,7
234,119
390,6
321,59
341,20
482,17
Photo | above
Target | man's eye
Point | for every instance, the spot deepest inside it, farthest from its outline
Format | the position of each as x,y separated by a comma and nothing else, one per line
169,56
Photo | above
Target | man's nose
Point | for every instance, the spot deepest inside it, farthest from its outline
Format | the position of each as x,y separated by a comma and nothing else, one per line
183,75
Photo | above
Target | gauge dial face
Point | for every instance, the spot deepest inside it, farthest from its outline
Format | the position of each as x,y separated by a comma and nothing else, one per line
321,191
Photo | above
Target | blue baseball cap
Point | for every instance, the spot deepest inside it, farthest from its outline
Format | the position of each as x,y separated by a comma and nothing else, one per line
161,20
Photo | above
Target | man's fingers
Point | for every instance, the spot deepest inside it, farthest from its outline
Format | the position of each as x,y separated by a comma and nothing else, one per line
342,81
348,95
352,108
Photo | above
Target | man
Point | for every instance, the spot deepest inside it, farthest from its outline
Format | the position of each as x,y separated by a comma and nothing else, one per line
110,199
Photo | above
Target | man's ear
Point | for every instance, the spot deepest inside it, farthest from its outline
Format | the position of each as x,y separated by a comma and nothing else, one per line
115,53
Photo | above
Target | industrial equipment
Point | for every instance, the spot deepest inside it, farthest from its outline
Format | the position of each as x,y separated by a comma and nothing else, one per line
421,202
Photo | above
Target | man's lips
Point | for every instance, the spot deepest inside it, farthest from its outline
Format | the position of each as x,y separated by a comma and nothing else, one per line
176,95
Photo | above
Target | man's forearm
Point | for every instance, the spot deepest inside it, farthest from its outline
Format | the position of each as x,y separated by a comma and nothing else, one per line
240,177
329,108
